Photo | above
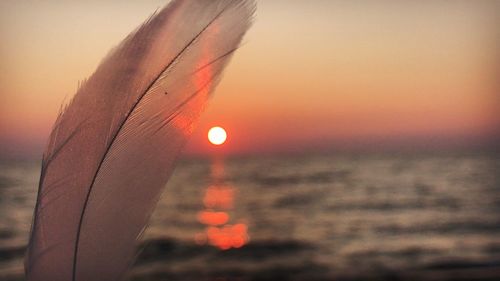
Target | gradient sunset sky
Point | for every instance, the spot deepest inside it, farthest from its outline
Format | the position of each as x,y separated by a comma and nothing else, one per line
311,75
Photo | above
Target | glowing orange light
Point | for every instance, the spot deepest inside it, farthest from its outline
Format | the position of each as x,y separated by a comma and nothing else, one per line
213,218
217,135
228,236
219,197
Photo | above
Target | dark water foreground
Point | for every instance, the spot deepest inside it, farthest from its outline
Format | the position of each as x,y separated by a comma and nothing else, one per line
288,260
335,217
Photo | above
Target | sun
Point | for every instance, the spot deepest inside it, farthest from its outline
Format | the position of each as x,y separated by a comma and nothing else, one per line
217,135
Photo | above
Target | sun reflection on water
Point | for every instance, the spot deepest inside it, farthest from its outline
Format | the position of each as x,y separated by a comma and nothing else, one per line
221,229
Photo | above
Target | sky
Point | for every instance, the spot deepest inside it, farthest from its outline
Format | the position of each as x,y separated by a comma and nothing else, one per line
310,75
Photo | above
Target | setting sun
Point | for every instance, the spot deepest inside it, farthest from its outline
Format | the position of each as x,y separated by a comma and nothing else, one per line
217,135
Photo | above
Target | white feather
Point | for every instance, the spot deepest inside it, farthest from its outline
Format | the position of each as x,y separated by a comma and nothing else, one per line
113,147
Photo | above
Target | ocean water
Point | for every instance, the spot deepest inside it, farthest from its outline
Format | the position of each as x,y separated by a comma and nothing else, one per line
318,217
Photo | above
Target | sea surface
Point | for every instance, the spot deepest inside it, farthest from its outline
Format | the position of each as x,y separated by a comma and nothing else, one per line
419,216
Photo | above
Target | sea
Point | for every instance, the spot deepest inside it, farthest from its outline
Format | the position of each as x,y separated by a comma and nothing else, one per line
327,216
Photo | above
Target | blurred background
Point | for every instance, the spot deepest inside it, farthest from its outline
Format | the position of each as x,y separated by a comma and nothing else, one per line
362,140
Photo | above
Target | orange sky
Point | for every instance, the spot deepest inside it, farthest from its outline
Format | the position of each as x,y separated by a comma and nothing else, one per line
310,75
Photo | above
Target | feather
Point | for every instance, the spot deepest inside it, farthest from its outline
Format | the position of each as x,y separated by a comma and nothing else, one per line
113,147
